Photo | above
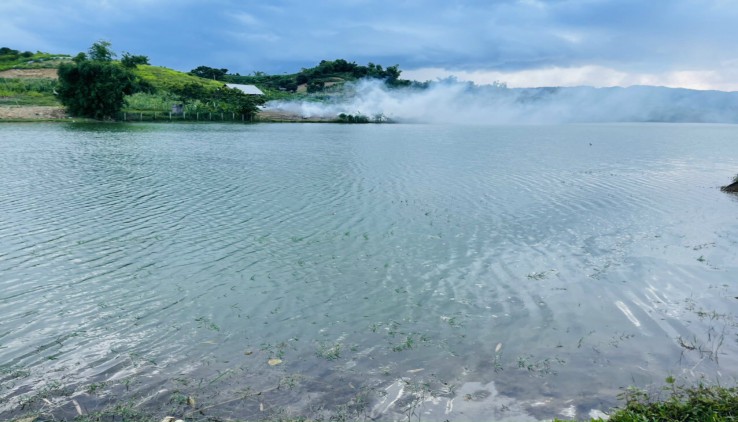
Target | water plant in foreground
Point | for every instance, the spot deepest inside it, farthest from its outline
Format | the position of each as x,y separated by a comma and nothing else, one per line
675,402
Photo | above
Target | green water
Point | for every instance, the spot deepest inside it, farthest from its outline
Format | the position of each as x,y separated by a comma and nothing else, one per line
442,272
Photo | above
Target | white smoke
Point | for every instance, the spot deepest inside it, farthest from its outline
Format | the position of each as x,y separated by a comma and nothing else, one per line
449,101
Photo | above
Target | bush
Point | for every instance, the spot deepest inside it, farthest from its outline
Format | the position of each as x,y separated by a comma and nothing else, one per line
699,403
95,89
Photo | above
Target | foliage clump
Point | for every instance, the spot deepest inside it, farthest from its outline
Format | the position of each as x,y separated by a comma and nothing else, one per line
350,118
206,72
131,61
95,87
697,403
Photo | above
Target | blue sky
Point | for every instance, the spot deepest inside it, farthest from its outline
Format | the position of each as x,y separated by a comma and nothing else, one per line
685,43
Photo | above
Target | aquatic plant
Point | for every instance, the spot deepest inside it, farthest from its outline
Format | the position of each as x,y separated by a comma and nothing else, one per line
694,403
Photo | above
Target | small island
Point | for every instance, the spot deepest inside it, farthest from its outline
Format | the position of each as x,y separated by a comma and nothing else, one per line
731,188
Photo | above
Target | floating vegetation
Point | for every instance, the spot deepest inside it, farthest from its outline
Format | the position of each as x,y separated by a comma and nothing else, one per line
328,351
541,275
539,367
206,323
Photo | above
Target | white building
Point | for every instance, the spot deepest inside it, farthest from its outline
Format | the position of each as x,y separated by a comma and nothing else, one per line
246,89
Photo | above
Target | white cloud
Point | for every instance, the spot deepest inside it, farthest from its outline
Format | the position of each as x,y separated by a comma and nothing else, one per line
590,75
246,19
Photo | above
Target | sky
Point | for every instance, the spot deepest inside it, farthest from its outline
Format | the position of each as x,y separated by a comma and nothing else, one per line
524,43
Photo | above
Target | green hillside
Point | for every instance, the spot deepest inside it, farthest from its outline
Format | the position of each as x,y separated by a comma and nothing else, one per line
14,59
165,79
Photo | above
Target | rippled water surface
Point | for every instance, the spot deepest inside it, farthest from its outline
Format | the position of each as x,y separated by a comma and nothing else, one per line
385,271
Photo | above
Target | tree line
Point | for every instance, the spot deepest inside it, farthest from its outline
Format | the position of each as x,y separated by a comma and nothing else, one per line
314,78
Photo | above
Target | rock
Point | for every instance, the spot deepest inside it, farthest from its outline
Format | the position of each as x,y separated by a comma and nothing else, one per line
731,188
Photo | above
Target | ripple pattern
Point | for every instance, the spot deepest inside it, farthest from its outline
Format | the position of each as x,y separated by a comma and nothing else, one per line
602,254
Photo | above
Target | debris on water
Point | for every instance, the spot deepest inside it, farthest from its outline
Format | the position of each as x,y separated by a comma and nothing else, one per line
261,407
274,362
169,419
248,352
412,371
191,401
77,407
498,348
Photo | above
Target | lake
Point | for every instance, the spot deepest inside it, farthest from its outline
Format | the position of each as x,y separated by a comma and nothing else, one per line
386,271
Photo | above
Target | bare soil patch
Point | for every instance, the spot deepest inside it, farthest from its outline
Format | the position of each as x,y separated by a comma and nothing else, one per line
29,73
285,116
32,113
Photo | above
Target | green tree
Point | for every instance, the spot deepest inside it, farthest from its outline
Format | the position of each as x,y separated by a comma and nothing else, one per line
101,52
234,100
191,92
130,61
95,88
315,86
209,72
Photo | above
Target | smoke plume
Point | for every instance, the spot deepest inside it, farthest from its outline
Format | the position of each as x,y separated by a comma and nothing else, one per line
449,101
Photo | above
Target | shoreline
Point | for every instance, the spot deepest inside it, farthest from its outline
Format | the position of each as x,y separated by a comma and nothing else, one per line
26,114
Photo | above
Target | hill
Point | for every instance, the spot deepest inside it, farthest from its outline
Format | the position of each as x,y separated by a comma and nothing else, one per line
165,79
14,59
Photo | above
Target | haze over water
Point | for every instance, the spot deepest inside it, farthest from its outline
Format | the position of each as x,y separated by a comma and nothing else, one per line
441,271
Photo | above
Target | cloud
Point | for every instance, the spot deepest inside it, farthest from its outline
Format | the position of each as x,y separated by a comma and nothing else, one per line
664,38
589,75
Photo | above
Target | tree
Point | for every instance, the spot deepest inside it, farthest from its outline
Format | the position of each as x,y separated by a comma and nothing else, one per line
101,52
95,88
234,100
209,72
130,61
190,92
79,58
315,86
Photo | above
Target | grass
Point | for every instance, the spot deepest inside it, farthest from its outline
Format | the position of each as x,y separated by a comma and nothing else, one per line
697,403
18,91
32,61
164,79
677,403
141,101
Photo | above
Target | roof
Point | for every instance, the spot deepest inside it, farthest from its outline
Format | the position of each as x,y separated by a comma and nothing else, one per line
246,89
